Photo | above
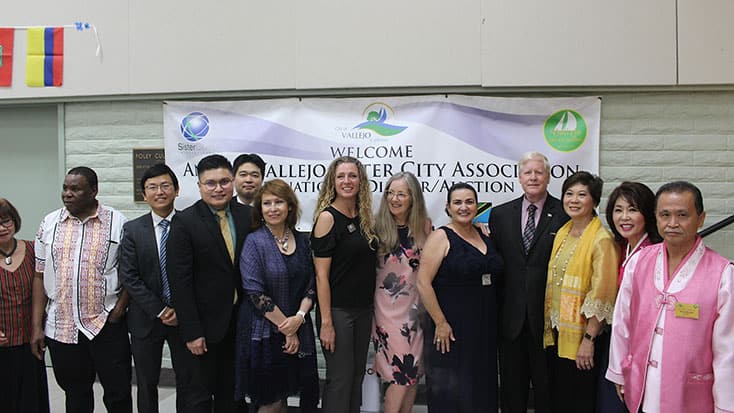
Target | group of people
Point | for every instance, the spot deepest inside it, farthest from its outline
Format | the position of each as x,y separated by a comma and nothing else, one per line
565,305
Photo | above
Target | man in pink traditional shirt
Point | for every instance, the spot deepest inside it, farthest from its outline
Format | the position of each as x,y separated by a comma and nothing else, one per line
672,344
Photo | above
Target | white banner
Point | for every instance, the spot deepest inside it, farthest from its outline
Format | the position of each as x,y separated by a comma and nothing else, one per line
441,139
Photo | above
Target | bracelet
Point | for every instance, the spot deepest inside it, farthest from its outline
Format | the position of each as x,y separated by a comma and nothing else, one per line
302,314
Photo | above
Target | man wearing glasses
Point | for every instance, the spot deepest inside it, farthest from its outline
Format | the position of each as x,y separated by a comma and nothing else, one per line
203,252
151,315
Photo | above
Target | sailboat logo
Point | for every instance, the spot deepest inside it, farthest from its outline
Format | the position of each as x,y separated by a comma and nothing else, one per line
566,123
565,130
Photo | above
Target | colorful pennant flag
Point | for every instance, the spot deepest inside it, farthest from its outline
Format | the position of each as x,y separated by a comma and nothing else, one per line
7,36
45,61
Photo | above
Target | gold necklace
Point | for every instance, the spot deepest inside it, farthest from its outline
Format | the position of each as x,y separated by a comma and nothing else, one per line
556,279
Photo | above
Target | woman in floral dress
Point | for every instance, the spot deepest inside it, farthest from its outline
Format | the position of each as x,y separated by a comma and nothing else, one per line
402,225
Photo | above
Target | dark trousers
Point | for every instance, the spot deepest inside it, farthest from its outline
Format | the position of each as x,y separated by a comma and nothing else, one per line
212,381
607,400
23,384
345,367
572,390
147,352
523,361
107,356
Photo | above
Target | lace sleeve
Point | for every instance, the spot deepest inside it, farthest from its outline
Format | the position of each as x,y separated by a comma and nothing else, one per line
262,303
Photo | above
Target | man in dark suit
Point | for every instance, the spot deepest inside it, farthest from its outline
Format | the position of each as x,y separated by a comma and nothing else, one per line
203,265
151,317
523,231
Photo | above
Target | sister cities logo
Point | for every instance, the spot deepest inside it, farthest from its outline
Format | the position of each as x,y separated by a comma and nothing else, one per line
565,130
376,115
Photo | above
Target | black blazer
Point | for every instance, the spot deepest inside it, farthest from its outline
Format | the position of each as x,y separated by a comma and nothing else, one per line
203,279
140,273
522,289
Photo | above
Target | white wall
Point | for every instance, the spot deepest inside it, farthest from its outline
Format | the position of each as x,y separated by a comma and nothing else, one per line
168,46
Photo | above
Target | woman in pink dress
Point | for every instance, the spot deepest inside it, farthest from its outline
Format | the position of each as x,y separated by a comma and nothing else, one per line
631,217
402,225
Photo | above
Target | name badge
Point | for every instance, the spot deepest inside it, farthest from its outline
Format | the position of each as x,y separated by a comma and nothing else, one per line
683,310
486,279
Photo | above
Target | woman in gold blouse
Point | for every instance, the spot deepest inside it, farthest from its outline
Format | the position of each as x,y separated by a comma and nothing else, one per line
579,299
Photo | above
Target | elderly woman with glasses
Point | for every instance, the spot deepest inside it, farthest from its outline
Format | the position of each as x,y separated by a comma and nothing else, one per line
402,225
23,385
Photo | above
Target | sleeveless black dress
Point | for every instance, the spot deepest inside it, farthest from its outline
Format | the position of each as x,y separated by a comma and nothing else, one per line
465,379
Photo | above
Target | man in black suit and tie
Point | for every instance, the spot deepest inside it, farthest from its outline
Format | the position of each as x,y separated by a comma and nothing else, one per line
203,265
151,316
523,231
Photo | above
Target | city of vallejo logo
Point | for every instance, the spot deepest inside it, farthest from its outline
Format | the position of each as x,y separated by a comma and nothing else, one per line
565,130
194,126
376,115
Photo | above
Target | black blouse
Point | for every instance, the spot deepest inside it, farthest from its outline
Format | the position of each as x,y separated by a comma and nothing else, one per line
353,262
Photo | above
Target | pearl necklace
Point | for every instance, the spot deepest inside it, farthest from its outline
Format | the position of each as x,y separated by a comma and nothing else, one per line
556,279
9,255
283,243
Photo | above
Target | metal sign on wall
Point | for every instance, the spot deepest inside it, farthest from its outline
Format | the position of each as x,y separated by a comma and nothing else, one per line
142,160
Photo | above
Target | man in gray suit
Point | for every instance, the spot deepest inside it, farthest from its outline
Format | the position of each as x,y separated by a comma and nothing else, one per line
151,314
523,231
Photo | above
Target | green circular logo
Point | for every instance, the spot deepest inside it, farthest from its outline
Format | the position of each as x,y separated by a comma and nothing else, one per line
565,130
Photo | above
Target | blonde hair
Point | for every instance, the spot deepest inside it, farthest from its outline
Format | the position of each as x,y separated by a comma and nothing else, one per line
327,195
385,225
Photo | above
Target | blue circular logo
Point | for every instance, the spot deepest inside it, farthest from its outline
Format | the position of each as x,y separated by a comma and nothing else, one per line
194,126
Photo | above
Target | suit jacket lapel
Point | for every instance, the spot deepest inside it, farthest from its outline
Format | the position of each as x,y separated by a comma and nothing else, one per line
516,224
150,246
545,219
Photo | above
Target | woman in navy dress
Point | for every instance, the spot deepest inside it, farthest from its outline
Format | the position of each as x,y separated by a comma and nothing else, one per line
456,281
276,348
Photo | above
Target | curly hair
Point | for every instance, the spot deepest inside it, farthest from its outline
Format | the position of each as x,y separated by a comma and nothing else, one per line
327,195
385,226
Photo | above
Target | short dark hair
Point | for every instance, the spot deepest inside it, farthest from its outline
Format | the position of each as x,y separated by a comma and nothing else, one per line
158,170
680,187
209,162
642,198
282,190
252,158
455,187
593,182
86,172
7,210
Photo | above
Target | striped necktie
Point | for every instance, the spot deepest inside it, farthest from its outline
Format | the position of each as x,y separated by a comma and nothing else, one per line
529,233
164,273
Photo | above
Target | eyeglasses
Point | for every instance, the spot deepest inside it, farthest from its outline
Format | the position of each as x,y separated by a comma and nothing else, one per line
165,187
7,223
212,184
399,195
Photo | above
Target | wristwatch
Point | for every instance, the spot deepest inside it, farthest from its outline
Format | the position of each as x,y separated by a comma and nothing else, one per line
589,337
302,314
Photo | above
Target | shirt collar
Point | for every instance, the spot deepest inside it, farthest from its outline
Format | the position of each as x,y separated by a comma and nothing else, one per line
538,204
157,218
65,214
214,211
